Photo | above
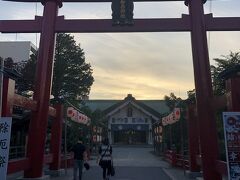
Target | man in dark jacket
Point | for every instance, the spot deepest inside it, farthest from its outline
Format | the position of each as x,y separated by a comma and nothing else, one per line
79,151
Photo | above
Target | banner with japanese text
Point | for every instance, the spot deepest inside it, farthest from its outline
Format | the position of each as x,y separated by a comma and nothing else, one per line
77,116
231,122
172,118
5,135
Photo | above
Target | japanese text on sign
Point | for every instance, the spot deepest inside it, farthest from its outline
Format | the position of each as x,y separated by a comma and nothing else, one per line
5,134
231,121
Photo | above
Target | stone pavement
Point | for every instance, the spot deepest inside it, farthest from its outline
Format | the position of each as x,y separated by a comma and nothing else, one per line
132,163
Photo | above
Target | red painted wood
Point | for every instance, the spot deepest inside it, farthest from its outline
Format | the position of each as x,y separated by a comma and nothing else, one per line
222,23
48,158
24,102
98,25
8,97
199,160
221,167
52,112
204,94
193,141
67,162
89,0
56,138
219,102
140,25
105,25
17,165
233,93
38,125
21,26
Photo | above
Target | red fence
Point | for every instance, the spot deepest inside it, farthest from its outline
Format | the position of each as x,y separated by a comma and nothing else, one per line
176,160
194,162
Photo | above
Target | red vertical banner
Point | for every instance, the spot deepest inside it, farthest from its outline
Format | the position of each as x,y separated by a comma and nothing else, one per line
231,122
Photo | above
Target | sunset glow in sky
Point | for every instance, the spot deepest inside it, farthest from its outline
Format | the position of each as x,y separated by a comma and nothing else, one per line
146,65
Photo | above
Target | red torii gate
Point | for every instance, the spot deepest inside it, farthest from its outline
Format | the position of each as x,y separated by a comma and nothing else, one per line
196,22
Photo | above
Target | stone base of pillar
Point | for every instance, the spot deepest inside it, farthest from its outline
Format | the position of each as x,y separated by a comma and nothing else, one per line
45,177
193,175
55,173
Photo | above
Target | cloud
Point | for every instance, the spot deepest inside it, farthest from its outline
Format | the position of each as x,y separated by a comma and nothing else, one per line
147,65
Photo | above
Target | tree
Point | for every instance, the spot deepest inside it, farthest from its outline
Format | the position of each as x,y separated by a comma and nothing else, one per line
173,132
72,76
27,69
171,101
191,96
222,64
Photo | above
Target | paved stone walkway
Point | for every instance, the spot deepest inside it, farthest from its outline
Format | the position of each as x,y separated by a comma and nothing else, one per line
131,163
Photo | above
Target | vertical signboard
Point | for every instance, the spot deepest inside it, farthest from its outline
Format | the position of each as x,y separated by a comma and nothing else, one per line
5,134
231,122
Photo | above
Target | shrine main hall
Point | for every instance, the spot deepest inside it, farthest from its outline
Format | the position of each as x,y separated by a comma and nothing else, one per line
129,120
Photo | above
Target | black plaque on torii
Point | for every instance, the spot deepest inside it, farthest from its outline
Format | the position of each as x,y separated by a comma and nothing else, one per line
122,12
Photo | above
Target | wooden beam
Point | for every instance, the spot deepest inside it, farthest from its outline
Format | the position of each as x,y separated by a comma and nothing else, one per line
79,1
97,25
21,26
222,23
105,25
24,102
16,165
140,25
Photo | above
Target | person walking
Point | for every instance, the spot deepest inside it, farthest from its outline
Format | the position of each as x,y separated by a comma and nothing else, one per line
105,161
80,156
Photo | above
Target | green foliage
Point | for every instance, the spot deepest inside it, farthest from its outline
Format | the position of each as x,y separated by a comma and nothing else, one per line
26,83
171,101
72,75
175,135
191,96
76,130
223,64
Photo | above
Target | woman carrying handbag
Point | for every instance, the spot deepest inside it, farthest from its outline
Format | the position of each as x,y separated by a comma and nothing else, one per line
105,161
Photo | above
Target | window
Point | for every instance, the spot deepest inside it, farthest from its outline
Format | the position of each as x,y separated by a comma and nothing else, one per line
113,120
129,112
133,120
146,120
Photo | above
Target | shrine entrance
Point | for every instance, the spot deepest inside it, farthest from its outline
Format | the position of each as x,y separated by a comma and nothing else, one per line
196,22
130,137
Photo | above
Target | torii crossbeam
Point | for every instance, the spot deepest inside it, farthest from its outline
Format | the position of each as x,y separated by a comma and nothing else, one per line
197,23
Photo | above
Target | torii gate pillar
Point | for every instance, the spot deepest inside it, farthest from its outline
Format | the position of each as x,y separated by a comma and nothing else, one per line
204,92
43,79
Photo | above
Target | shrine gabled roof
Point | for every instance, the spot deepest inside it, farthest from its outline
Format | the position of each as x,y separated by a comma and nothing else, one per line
153,107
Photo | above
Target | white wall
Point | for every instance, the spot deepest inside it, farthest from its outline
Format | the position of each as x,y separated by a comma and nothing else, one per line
17,50
120,117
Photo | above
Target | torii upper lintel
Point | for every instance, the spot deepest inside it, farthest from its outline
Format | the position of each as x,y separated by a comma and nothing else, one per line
88,0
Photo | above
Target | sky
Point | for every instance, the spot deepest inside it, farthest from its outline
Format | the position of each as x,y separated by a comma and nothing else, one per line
146,65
